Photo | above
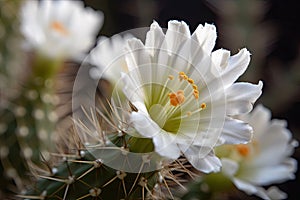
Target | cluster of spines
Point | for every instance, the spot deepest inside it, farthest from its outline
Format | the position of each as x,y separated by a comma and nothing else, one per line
88,178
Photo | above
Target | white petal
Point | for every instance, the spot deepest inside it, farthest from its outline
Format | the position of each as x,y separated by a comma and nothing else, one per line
274,141
271,174
220,58
144,125
109,57
177,34
206,37
259,118
136,55
165,145
235,132
237,65
210,163
154,39
250,189
275,193
229,167
241,97
131,89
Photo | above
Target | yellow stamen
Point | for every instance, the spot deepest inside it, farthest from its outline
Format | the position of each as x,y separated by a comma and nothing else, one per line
203,105
59,27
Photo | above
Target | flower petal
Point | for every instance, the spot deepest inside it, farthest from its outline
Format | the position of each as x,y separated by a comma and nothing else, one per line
108,57
275,193
220,60
131,91
206,37
165,145
278,143
260,119
210,163
270,174
235,132
144,125
250,189
229,167
237,65
241,97
176,35
154,39
136,55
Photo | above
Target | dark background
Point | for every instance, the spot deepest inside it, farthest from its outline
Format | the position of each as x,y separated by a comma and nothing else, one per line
269,29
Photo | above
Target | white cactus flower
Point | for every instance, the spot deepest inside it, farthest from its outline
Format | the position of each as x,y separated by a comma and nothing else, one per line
59,29
184,94
264,161
108,57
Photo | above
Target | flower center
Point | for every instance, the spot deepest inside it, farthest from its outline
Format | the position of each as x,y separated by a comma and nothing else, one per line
59,28
178,98
171,109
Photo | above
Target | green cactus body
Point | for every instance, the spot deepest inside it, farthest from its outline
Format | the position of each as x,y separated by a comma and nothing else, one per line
27,117
88,178
29,123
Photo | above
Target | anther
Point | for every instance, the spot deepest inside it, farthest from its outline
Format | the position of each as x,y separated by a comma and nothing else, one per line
177,98
191,81
171,77
203,105
195,87
196,94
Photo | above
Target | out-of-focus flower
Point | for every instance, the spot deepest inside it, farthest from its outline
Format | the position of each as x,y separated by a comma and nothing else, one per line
108,57
183,95
59,29
264,161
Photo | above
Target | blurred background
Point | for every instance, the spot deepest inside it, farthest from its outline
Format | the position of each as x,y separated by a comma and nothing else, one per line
269,29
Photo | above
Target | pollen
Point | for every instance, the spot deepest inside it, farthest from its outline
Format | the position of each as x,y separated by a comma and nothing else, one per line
203,105
195,87
177,98
59,27
243,149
